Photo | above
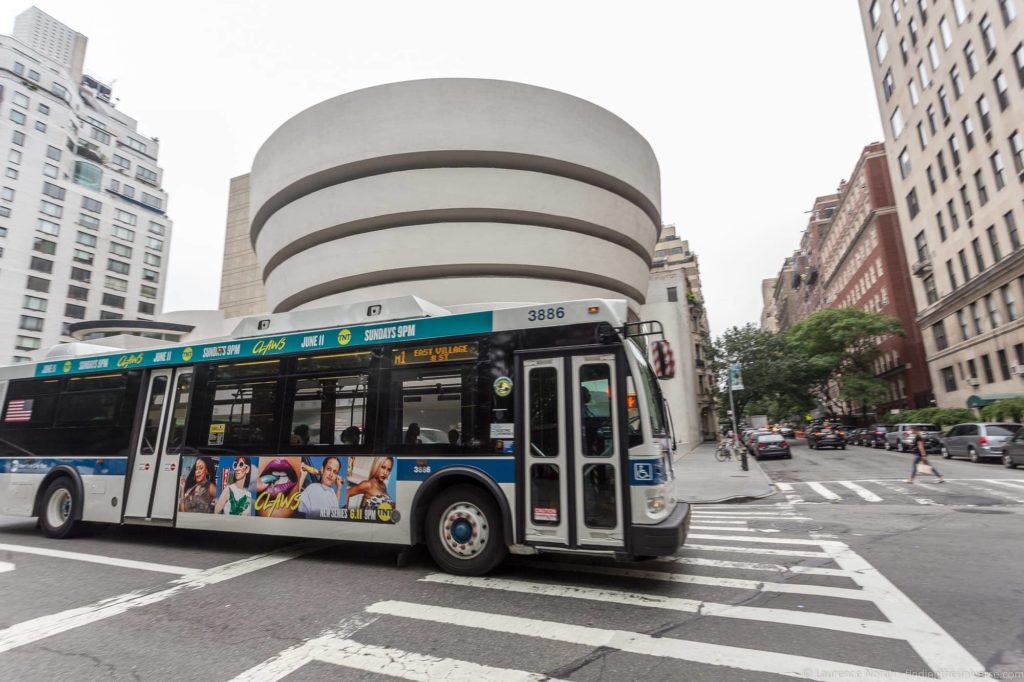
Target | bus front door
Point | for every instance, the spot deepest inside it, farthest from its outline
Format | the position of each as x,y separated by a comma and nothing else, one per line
152,490
572,489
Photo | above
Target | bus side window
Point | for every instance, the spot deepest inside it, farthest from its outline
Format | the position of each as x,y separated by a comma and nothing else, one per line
426,409
242,406
328,411
597,437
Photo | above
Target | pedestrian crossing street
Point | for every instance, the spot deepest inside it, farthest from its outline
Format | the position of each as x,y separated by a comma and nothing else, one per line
924,491
736,600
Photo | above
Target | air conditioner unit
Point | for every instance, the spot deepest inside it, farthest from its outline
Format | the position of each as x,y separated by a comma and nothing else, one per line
973,382
1017,369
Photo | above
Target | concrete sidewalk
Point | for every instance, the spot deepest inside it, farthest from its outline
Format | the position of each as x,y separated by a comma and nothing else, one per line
702,479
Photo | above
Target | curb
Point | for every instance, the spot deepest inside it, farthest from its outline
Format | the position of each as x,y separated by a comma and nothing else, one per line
753,465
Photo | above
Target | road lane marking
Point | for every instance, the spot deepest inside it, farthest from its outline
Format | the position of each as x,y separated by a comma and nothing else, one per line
859,626
774,541
737,530
936,647
747,515
823,491
861,490
1003,494
1012,482
756,550
36,629
741,522
732,583
97,559
631,642
755,566
336,648
6,566
788,491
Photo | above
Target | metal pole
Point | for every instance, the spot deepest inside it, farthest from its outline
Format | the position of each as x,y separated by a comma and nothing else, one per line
736,430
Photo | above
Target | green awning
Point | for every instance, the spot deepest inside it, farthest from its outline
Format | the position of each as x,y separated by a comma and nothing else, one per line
983,400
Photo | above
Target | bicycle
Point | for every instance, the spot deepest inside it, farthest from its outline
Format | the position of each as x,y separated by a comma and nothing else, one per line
725,451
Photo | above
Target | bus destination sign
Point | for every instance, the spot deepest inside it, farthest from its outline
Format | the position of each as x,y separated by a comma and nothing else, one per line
441,353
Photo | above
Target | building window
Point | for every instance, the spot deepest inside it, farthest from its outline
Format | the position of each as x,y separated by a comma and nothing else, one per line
904,160
1009,302
30,323
881,50
40,126
976,317
921,244
941,225
88,175
119,249
986,366
948,379
904,51
101,136
966,199
51,209
922,136
146,308
115,283
50,171
1018,60
939,159
124,268
123,233
968,127
998,170
34,303
152,201
931,179
933,55
81,275
90,204
17,116
993,310
154,243
121,161
43,109
961,319
18,138
80,256
47,227
929,289
41,265
888,85
37,284
157,228
53,153
125,216
75,312
947,35
78,293
1002,94
1017,153
1008,11
944,104
113,301
915,96
979,184
875,12
939,332
44,246
107,315
150,275
896,122
988,37
136,145
151,259
150,292
958,84
972,59
979,259
1004,366
55,191
1011,230
27,343
962,255
993,242
85,239
952,275
88,221
146,175
954,150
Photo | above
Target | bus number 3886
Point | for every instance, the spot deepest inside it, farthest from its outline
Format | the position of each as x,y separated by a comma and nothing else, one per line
545,314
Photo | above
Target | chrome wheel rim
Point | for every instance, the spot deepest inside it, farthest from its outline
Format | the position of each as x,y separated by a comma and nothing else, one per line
464,530
58,509
1007,461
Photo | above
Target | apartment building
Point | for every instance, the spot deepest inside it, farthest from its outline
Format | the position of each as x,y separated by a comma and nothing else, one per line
949,78
84,232
863,265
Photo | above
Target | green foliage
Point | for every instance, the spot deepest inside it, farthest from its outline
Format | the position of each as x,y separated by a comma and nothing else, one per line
839,345
943,416
1012,408
768,367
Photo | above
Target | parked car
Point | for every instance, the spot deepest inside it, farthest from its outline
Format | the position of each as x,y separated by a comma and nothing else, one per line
875,436
769,445
901,436
1013,450
857,436
825,438
978,440
787,432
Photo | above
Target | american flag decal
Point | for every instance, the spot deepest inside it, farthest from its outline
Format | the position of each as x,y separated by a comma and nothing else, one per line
19,411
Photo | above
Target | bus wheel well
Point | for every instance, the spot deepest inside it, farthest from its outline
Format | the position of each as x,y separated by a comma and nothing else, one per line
53,475
446,479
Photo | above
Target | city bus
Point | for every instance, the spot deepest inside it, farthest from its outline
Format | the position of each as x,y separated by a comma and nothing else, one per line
525,429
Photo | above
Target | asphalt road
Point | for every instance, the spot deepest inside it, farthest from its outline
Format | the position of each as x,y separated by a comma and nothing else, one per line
798,584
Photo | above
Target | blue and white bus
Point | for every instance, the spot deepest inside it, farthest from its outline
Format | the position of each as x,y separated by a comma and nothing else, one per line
524,429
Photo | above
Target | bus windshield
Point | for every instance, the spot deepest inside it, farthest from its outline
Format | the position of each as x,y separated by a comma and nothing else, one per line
652,391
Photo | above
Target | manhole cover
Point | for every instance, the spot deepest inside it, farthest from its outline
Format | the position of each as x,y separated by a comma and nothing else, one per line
983,511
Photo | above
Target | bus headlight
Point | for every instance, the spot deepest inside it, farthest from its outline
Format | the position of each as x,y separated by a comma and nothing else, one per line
655,502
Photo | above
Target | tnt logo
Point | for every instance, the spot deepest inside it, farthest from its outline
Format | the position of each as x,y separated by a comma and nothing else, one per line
643,471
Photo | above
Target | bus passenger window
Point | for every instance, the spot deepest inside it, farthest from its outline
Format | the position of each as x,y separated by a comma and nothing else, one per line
597,432
176,437
244,415
328,411
427,407
544,412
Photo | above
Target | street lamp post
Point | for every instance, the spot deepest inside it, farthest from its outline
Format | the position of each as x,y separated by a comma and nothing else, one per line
736,382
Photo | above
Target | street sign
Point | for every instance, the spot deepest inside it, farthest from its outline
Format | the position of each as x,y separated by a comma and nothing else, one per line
735,380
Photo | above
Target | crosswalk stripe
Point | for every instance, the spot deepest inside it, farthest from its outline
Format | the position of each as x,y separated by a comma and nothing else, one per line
733,583
1002,493
788,491
1013,483
755,550
755,566
632,642
735,522
859,626
736,530
737,515
774,541
823,491
861,490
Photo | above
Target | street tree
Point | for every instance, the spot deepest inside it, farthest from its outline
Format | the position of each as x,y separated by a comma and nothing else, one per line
840,345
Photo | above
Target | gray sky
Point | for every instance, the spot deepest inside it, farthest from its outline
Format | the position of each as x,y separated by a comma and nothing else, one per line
753,108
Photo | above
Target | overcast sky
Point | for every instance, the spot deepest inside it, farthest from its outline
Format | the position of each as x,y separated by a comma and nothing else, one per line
753,108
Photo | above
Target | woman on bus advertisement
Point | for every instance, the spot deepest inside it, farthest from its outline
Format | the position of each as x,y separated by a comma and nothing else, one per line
322,487
198,491
235,497
372,499
277,486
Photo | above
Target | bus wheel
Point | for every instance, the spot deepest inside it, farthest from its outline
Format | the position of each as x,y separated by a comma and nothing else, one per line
464,532
57,516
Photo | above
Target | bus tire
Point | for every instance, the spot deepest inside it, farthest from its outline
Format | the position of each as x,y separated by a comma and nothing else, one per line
60,509
464,531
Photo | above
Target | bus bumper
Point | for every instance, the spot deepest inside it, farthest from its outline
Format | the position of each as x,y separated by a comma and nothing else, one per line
662,539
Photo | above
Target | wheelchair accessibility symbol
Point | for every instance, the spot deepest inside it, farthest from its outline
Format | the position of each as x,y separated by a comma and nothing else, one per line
643,471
